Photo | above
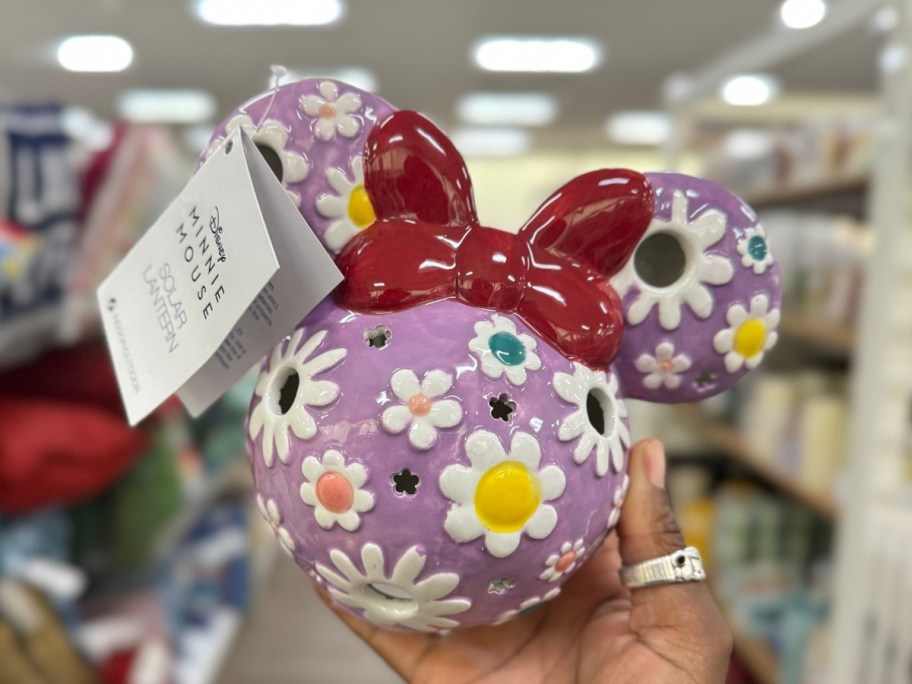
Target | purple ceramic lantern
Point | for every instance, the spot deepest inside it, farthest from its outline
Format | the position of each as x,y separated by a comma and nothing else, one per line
443,442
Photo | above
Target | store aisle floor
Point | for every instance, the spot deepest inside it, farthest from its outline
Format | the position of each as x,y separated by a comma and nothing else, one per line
292,638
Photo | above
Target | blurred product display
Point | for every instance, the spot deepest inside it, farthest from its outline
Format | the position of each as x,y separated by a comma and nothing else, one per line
805,464
123,553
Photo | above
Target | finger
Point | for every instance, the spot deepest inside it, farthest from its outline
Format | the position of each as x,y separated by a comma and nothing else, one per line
402,651
648,527
681,616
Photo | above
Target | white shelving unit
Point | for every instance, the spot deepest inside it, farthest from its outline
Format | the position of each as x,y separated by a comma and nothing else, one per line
876,478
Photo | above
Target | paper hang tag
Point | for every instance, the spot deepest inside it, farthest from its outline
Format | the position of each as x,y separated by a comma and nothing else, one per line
204,294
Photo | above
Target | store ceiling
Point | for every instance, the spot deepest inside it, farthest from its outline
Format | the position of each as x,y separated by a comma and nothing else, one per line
419,52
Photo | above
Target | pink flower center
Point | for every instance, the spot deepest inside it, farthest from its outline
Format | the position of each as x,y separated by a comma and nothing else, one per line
419,405
667,365
274,526
334,492
326,111
565,561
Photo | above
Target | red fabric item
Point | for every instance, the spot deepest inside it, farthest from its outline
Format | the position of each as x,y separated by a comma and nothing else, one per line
82,374
54,452
116,669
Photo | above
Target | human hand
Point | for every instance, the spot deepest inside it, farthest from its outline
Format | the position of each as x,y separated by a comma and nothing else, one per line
596,630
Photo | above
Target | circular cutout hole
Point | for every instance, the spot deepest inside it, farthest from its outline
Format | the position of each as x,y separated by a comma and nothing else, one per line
273,160
600,411
288,392
390,591
660,260
393,600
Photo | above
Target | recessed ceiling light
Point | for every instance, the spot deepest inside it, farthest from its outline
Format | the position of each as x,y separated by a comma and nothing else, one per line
748,143
94,53
507,109
638,128
537,54
802,14
491,142
166,105
885,19
750,89
354,76
270,12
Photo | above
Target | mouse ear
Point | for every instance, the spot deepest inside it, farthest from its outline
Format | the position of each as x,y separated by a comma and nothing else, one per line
597,218
413,172
701,295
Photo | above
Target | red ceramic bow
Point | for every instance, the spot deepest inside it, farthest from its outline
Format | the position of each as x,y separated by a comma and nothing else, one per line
427,244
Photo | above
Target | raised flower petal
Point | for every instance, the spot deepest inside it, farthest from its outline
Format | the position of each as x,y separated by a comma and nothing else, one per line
697,229
429,597
396,418
603,387
501,495
504,351
333,487
750,335
421,409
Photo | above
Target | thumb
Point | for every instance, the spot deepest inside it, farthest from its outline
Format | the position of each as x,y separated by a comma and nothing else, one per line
680,621
648,527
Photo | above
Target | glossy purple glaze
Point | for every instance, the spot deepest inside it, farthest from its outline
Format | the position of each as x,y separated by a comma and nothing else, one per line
433,564
265,116
694,336
429,337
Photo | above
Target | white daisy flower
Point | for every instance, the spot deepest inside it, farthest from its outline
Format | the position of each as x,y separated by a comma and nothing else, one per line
751,333
276,413
333,488
273,516
421,410
598,419
619,495
502,350
694,237
333,112
269,135
501,495
559,564
528,605
664,367
754,250
397,599
350,206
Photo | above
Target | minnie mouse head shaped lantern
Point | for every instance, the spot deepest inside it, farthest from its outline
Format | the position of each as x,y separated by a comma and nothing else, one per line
443,441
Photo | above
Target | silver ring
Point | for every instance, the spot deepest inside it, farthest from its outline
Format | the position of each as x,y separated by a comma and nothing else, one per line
681,566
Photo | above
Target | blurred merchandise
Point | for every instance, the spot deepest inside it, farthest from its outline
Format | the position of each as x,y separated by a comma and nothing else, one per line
822,259
40,204
796,423
753,162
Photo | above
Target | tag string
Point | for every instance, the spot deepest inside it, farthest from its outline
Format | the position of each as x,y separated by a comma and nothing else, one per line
278,73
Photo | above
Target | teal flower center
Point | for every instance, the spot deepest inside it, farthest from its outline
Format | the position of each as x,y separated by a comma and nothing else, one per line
756,247
507,348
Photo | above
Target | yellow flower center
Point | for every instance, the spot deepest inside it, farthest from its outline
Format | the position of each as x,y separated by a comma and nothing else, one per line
360,210
506,497
750,338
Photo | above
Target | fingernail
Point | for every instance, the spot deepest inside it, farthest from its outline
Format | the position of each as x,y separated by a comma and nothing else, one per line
655,463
